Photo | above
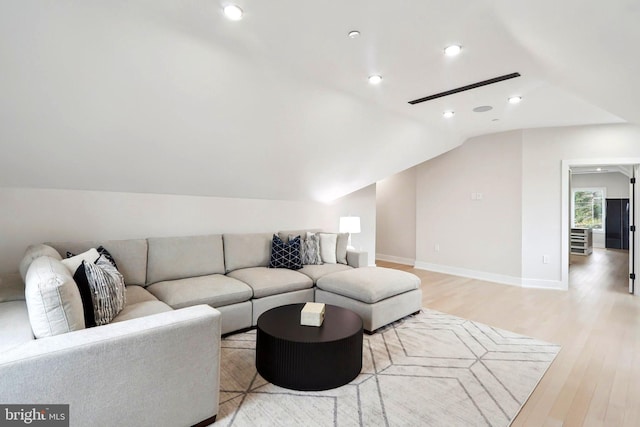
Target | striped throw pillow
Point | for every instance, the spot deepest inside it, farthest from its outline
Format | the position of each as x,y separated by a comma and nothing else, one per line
107,288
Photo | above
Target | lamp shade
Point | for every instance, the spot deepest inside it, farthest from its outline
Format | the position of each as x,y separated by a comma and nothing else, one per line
350,224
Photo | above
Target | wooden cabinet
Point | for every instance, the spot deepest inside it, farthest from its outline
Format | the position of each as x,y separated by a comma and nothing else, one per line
581,241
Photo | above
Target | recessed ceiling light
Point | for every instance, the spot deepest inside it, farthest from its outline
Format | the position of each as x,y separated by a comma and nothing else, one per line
599,169
448,114
233,12
452,50
515,99
354,34
375,79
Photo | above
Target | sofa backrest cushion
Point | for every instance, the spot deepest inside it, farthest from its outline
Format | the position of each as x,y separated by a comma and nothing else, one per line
33,252
284,235
247,250
130,256
173,258
52,297
15,328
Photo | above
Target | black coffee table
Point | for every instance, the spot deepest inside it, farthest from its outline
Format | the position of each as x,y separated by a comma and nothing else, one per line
307,357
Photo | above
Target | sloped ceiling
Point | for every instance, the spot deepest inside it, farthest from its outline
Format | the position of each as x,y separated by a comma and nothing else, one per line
168,96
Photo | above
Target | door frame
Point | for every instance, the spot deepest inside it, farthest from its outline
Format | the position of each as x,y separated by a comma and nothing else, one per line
566,209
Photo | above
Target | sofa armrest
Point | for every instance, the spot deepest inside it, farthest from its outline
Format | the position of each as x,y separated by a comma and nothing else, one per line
158,370
11,287
357,258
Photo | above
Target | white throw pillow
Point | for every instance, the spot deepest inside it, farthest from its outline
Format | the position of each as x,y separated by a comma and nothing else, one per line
74,262
328,244
33,252
52,297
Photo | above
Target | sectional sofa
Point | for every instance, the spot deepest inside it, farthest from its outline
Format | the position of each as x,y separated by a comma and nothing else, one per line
181,293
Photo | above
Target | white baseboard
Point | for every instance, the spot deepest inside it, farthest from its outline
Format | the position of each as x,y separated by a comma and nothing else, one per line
491,277
396,259
543,284
473,274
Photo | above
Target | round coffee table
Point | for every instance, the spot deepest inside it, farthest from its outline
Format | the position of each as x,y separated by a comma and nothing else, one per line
308,358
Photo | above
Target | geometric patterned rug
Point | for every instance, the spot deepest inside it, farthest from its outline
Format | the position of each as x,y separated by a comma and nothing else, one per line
431,369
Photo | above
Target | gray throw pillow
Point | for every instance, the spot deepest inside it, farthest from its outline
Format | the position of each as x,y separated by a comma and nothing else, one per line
107,289
311,250
341,247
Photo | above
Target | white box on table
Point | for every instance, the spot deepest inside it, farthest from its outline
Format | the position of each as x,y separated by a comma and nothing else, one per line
312,314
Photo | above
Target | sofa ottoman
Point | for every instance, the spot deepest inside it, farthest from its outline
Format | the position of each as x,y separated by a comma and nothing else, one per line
379,295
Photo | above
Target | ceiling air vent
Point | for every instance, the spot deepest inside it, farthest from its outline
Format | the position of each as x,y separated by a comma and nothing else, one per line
467,87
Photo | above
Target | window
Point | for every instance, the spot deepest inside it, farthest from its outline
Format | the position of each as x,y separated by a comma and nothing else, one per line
588,208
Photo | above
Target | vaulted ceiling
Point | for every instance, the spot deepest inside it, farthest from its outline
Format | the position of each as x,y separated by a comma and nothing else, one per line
166,96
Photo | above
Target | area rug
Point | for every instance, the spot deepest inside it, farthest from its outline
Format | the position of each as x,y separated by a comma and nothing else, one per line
430,369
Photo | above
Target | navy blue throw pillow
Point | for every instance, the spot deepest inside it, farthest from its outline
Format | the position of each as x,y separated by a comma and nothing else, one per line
285,255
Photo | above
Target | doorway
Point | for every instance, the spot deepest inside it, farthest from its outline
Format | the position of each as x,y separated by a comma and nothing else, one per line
590,188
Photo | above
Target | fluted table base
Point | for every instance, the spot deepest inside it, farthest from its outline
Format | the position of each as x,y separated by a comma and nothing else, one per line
307,357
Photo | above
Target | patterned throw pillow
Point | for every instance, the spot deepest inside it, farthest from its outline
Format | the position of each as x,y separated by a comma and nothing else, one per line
285,255
311,250
80,277
107,288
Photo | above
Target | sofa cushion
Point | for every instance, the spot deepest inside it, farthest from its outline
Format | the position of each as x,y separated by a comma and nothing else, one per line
181,257
246,250
136,294
15,328
284,235
285,255
36,251
53,299
141,309
216,290
317,271
129,255
369,284
271,281
11,287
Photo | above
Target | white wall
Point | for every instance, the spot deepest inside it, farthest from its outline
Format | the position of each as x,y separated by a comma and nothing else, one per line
37,215
360,203
478,238
542,153
505,236
616,183
616,187
396,218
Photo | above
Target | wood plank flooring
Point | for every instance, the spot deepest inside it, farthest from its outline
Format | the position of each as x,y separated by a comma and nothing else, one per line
595,380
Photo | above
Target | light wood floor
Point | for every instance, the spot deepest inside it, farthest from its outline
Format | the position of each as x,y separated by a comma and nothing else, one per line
595,380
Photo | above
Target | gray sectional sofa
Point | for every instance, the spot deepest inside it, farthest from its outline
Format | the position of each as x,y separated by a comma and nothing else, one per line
226,271
181,293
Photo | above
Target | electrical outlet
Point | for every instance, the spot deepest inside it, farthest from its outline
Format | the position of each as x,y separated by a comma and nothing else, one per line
436,247
545,259
478,196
